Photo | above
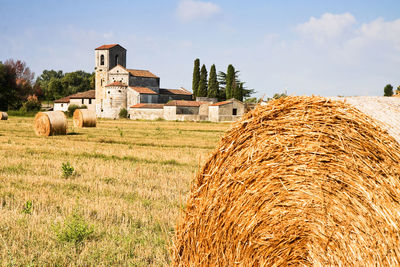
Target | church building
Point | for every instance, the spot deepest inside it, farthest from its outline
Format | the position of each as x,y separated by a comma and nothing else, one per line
118,87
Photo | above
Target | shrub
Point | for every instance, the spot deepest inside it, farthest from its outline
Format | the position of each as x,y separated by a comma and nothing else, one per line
67,170
75,229
123,113
71,109
32,104
388,90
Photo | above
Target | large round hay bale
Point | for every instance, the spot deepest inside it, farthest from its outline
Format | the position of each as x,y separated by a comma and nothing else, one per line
299,181
50,123
84,118
3,116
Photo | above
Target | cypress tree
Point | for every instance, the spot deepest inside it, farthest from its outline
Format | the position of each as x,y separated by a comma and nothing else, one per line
230,82
196,77
202,90
213,86
238,91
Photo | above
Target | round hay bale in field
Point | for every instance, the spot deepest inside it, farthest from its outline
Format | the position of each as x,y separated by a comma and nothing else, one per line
84,118
3,116
50,123
299,181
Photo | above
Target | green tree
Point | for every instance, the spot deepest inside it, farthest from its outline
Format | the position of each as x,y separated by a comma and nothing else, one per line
230,81
238,90
196,76
202,90
213,85
7,87
55,89
244,92
388,90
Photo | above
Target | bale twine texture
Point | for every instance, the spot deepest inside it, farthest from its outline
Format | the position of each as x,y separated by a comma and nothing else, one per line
3,116
84,118
299,181
50,123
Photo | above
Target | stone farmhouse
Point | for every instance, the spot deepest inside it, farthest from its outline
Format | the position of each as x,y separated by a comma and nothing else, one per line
139,92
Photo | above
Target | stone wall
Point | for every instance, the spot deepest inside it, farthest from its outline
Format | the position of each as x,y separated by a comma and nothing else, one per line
146,113
170,113
115,101
144,82
165,98
148,98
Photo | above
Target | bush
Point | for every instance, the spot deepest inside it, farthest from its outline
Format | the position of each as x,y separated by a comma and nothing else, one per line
75,229
123,113
388,90
31,104
71,109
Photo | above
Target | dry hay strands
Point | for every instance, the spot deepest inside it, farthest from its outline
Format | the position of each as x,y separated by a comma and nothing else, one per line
3,116
84,118
299,181
50,123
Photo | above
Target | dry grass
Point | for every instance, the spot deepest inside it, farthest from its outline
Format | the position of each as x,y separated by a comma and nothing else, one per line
128,183
301,181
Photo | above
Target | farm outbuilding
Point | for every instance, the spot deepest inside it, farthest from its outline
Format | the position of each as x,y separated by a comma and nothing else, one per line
183,110
229,110
82,98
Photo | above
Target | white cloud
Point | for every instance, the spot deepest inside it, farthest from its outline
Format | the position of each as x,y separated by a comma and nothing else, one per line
328,27
189,10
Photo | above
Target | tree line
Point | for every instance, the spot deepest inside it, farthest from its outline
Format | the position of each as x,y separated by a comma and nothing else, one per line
19,88
222,86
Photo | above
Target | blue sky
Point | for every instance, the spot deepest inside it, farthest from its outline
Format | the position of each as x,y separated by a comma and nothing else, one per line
303,47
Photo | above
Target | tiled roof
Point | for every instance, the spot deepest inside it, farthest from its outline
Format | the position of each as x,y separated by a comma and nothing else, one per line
117,84
106,47
88,94
185,103
145,105
222,103
142,73
62,100
143,90
174,92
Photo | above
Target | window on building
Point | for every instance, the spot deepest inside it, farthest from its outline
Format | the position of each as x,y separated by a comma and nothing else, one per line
101,82
102,60
234,111
90,101
82,101
116,60
62,105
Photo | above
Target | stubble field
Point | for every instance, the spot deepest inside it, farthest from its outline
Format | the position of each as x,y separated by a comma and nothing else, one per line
118,207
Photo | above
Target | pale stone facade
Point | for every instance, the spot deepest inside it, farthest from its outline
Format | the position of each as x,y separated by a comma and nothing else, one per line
82,98
230,110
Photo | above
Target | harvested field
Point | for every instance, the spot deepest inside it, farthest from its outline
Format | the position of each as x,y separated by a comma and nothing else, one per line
129,181
300,181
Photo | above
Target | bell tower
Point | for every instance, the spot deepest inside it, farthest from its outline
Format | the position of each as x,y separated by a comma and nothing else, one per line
106,58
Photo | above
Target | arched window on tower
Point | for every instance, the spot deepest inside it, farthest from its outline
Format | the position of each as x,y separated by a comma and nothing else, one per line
102,60
116,59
